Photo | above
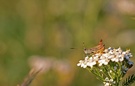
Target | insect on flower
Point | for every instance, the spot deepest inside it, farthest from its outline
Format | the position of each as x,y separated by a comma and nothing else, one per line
97,49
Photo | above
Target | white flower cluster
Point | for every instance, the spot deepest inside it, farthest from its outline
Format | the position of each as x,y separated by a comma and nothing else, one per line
108,82
108,55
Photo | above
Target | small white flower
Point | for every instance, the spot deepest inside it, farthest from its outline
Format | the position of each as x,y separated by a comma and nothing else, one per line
108,81
106,50
111,56
91,62
107,84
117,58
111,80
103,60
111,52
106,55
110,48
83,63
87,62
128,51
100,70
96,58
110,71
114,59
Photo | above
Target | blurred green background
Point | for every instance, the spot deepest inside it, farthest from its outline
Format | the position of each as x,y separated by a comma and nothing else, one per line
50,28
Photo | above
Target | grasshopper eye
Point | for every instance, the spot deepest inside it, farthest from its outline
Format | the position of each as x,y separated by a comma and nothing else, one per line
85,49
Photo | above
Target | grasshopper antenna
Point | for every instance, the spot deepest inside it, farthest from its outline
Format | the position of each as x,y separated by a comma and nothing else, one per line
84,46
72,48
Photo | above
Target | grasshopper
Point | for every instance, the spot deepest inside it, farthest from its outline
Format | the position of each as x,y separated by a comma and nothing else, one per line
97,49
